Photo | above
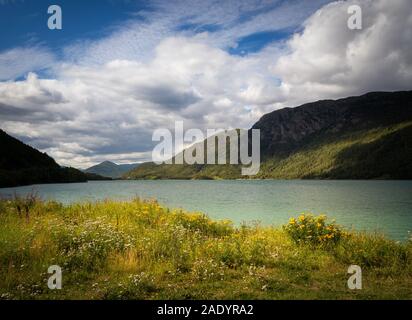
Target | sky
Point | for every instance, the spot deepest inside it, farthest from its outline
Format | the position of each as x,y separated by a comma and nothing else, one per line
119,69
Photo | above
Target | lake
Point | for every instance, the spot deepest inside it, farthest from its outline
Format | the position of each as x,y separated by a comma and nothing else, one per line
384,206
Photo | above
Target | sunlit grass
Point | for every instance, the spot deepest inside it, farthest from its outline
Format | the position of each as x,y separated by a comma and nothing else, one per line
141,250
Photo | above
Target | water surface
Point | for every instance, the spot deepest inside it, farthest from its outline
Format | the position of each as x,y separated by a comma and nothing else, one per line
384,206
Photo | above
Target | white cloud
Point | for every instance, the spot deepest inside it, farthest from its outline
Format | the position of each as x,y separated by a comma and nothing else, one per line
329,60
106,105
114,108
224,22
18,61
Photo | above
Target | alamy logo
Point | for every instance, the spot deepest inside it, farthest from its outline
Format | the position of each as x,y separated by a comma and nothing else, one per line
55,20
220,147
355,20
55,280
355,280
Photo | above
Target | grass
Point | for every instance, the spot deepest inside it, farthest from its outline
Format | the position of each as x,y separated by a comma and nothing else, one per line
141,250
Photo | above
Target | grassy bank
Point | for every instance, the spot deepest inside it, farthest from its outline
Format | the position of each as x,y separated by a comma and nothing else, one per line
140,250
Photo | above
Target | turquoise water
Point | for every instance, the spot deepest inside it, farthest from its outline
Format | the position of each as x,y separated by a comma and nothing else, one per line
384,206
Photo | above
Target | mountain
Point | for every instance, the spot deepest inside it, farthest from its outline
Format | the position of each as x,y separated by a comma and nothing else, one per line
21,164
110,169
150,170
365,137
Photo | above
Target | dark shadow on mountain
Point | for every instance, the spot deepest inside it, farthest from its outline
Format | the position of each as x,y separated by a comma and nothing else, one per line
389,157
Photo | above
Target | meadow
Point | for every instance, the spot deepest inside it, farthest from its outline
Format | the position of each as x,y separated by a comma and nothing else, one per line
142,250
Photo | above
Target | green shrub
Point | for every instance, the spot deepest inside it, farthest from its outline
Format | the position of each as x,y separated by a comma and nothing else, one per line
87,246
202,223
372,251
313,230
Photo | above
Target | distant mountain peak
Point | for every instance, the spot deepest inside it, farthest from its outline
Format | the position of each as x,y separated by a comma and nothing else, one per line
111,169
108,162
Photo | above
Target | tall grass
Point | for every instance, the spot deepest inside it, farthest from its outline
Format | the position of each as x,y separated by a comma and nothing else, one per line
141,250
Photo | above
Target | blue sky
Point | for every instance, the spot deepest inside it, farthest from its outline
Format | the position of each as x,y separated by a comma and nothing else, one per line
120,69
24,22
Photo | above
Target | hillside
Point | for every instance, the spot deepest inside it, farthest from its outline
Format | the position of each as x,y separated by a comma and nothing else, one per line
110,169
365,137
21,164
